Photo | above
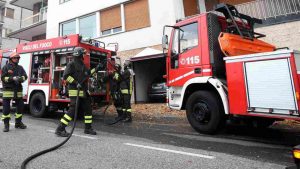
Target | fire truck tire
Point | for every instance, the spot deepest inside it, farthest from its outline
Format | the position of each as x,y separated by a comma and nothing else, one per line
204,112
37,105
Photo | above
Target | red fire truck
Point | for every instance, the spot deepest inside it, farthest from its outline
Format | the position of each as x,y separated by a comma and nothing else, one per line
44,61
218,70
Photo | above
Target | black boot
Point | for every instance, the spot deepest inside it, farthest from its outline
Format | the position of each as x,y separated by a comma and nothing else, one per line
89,130
128,118
19,124
61,131
120,113
6,125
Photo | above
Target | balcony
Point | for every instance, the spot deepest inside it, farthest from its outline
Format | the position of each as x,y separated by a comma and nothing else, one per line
2,2
32,26
27,4
272,11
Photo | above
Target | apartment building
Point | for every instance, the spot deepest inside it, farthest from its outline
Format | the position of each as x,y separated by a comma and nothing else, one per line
32,27
10,17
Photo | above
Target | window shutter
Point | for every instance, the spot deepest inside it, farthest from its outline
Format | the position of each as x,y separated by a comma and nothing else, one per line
110,18
190,7
235,2
136,15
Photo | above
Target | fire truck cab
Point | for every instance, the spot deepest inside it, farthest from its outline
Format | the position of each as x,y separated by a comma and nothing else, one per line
44,62
240,77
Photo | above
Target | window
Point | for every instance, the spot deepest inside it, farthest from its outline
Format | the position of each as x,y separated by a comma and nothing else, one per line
87,26
63,1
5,32
111,31
135,20
68,28
110,21
187,37
9,13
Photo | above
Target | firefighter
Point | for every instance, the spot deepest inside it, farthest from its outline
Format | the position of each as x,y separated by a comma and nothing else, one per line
13,75
126,90
116,92
76,74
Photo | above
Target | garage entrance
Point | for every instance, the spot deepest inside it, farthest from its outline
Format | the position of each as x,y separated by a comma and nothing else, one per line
148,70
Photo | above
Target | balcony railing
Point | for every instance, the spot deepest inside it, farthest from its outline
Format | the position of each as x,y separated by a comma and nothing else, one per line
41,16
265,9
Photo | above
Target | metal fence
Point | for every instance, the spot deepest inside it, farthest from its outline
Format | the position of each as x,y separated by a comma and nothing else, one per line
264,9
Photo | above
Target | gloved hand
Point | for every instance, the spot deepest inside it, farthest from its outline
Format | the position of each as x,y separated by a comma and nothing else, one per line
79,86
16,78
20,79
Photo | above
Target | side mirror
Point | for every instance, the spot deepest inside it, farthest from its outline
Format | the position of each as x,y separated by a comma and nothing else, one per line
165,42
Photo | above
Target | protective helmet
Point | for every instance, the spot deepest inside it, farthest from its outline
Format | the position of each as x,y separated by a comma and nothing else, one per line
78,52
127,64
14,55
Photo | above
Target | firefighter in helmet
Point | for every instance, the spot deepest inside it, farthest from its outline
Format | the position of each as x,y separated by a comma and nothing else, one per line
115,90
126,90
76,74
13,75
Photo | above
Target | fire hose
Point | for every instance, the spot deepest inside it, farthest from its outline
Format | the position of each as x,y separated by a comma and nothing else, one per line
25,162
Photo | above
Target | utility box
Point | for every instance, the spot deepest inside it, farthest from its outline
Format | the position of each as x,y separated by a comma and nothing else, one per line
263,83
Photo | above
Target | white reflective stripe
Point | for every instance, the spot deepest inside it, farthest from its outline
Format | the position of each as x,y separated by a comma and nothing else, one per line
180,77
246,58
206,70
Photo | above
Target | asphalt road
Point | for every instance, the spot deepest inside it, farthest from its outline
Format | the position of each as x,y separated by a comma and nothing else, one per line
144,145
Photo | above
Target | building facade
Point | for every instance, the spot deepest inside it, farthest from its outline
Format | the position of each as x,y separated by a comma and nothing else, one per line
32,27
10,20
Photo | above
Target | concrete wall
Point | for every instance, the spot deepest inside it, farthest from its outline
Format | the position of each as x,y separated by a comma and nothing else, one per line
13,24
282,35
161,13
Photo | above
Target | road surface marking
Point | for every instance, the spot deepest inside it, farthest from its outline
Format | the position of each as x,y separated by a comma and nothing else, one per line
77,135
171,151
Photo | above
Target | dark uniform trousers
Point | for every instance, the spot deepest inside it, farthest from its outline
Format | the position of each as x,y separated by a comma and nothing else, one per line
83,106
126,107
6,109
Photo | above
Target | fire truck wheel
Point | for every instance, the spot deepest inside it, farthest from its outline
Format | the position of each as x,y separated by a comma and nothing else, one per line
37,105
204,112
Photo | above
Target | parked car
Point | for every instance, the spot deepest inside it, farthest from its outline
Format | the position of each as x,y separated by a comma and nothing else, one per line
157,90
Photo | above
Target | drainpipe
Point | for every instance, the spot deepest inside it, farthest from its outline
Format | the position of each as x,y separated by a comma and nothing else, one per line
21,16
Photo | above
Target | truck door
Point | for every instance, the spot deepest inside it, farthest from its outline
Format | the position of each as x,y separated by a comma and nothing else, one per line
184,54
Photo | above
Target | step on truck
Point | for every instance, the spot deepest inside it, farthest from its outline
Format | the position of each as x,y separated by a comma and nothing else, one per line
218,70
